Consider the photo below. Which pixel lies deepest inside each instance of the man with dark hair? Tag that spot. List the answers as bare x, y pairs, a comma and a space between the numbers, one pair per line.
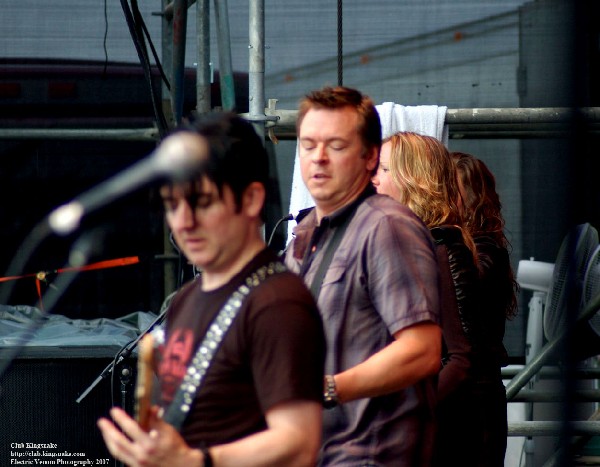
371, 263
240, 369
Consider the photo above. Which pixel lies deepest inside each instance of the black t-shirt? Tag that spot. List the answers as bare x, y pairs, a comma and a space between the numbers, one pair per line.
273, 352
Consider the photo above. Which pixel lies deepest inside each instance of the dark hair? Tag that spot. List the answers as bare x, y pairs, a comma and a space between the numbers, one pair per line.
237, 155
369, 126
483, 210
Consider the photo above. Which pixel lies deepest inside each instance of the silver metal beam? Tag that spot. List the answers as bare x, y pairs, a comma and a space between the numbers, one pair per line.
546, 353
256, 75
203, 68
484, 123
96, 134
552, 372
548, 428
180, 15
462, 123
224, 47
528, 395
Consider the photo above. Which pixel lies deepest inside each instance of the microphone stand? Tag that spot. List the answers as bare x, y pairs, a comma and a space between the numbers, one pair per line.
33, 240
120, 356
79, 255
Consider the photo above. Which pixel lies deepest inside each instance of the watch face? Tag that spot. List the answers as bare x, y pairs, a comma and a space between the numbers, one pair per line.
329, 402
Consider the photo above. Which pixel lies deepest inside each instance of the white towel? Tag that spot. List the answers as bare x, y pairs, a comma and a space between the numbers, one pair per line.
422, 119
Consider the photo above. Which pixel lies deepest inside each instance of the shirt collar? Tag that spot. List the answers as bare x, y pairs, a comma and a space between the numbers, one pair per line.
338, 217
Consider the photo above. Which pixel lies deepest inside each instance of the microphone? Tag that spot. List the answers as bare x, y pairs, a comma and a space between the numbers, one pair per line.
178, 157
292, 216
298, 215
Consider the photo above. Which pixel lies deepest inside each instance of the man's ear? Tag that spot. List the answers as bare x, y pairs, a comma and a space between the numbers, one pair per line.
254, 199
372, 159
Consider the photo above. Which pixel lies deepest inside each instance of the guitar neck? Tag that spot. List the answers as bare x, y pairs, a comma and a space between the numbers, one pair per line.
145, 377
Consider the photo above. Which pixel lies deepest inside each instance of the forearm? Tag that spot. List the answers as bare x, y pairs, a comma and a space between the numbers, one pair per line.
454, 373
292, 438
288, 441
457, 361
414, 355
263, 449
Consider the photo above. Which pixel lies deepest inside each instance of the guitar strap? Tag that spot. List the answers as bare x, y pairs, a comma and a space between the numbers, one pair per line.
332, 246
198, 367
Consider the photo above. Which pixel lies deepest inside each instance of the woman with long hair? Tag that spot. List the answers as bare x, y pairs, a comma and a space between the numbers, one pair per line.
417, 170
482, 211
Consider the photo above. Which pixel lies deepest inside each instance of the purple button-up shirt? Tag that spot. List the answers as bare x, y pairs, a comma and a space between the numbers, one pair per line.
383, 277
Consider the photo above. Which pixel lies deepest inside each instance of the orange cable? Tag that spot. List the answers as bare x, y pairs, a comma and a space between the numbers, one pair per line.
41, 276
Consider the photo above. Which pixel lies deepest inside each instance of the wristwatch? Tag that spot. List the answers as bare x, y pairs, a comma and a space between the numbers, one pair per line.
330, 395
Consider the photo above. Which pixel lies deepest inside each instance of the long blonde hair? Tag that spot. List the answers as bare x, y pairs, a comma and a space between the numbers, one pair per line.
422, 168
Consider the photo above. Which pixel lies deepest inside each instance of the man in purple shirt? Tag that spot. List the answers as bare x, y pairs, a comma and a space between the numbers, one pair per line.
371, 263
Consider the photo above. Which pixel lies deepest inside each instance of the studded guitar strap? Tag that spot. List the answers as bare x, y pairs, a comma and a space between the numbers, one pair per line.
198, 367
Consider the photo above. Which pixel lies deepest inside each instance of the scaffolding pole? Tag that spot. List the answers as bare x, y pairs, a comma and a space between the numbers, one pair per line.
484, 123
477, 123
203, 67
178, 71
224, 47
551, 428
95, 134
546, 353
256, 75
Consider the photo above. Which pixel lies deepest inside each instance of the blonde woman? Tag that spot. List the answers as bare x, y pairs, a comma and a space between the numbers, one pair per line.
418, 171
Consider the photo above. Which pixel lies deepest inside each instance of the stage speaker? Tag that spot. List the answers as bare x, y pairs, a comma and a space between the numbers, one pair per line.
40, 417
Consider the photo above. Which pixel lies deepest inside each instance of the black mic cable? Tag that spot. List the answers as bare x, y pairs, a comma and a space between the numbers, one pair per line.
288, 217
292, 216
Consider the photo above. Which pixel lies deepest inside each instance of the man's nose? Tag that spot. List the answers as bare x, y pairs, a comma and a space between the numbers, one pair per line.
320, 153
184, 217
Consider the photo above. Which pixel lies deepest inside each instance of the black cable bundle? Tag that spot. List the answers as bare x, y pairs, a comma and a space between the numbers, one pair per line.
138, 30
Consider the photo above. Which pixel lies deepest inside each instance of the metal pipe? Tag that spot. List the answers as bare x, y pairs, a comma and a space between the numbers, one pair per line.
224, 45
256, 90
552, 372
168, 9
548, 428
479, 116
179, 40
203, 70
547, 351
527, 122
169, 268
575, 445
520, 115
527, 395
484, 123
141, 134
167, 62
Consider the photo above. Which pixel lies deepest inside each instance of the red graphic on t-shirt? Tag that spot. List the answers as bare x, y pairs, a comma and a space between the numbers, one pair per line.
174, 362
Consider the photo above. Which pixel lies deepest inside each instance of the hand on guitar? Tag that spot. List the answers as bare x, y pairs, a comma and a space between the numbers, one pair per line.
146, 440
160, 446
